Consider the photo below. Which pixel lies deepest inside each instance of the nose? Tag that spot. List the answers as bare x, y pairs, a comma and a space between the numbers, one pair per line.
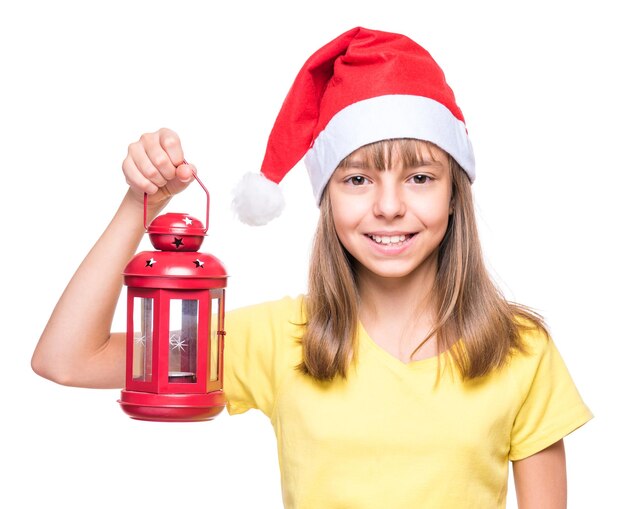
390, 201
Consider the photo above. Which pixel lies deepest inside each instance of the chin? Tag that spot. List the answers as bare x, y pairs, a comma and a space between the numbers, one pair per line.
391, 272
395, 269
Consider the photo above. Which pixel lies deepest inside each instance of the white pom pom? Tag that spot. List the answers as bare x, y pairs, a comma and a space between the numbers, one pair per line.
257, 200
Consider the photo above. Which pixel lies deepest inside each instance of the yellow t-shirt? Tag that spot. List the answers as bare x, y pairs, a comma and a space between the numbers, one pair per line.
388, 436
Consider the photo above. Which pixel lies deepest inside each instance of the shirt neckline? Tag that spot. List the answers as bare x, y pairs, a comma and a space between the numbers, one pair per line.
368, 343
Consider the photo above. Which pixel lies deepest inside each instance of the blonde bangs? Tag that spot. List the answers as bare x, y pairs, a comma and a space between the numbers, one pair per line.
379, 155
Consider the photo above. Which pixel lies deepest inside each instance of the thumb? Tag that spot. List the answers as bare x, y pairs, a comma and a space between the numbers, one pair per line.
185, 172
183, 177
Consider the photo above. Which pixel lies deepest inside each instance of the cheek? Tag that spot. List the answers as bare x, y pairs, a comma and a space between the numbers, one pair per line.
346, 213
344, 221
434, 213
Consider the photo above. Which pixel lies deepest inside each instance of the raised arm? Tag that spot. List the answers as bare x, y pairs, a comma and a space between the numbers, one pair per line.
77, 347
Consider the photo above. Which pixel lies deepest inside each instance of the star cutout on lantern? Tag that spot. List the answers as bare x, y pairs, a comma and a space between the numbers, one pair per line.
150, 262
199, 263
188, 221
178, 242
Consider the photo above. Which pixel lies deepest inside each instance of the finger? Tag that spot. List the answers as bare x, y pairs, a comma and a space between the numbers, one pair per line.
143, 163
170, 143
161, 161
135, 179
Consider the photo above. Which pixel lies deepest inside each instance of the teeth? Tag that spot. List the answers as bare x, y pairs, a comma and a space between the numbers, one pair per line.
394, 239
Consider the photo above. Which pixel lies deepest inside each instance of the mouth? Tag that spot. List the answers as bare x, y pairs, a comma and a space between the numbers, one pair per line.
391, 240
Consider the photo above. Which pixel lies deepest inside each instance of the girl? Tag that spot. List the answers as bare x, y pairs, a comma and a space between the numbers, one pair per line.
403, 378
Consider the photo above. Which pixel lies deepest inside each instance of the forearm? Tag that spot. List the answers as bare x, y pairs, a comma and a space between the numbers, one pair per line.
76, 347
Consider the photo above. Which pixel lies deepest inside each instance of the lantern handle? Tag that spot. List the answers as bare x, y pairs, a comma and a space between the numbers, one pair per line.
208, 200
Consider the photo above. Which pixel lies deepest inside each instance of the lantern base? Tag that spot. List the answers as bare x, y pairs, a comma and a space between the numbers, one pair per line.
147, 406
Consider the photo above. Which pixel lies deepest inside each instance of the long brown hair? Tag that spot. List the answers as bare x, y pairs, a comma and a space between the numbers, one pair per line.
468, 303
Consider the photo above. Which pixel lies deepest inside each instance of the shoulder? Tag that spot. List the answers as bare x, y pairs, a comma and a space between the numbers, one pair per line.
282, 317
287, 309
270, 328
538, 356
534, 336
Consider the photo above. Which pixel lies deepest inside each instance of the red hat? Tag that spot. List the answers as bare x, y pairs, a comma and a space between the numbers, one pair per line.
362, 87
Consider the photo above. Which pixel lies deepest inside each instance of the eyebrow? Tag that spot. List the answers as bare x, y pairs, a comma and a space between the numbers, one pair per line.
355, 165
429, 162
363, 165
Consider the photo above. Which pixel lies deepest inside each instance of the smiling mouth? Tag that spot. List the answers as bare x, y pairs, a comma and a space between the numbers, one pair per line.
391, 240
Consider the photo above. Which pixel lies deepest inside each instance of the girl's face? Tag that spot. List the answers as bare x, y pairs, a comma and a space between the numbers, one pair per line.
393, 220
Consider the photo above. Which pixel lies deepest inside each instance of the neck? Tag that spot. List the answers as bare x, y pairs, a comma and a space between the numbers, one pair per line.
405, 300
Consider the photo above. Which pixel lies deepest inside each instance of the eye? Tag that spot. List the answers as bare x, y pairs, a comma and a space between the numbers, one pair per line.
420, 178
356, 180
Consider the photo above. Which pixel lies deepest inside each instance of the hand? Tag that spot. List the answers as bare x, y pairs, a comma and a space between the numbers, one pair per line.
154, 165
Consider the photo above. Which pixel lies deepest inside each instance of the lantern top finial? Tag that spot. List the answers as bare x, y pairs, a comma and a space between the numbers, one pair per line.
176, 232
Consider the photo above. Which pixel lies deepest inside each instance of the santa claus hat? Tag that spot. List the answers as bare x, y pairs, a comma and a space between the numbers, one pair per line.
362, 87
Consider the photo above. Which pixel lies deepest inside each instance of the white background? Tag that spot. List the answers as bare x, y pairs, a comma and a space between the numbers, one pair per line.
541, 85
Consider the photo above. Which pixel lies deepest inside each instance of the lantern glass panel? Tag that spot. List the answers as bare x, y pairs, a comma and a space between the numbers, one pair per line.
183, 341
214, 338
143, 325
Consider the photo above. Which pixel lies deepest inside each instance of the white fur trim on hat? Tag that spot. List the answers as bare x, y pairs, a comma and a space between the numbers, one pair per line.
383, 118
257, 200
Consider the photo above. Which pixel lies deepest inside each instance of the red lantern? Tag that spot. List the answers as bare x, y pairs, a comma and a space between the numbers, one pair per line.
175, 324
